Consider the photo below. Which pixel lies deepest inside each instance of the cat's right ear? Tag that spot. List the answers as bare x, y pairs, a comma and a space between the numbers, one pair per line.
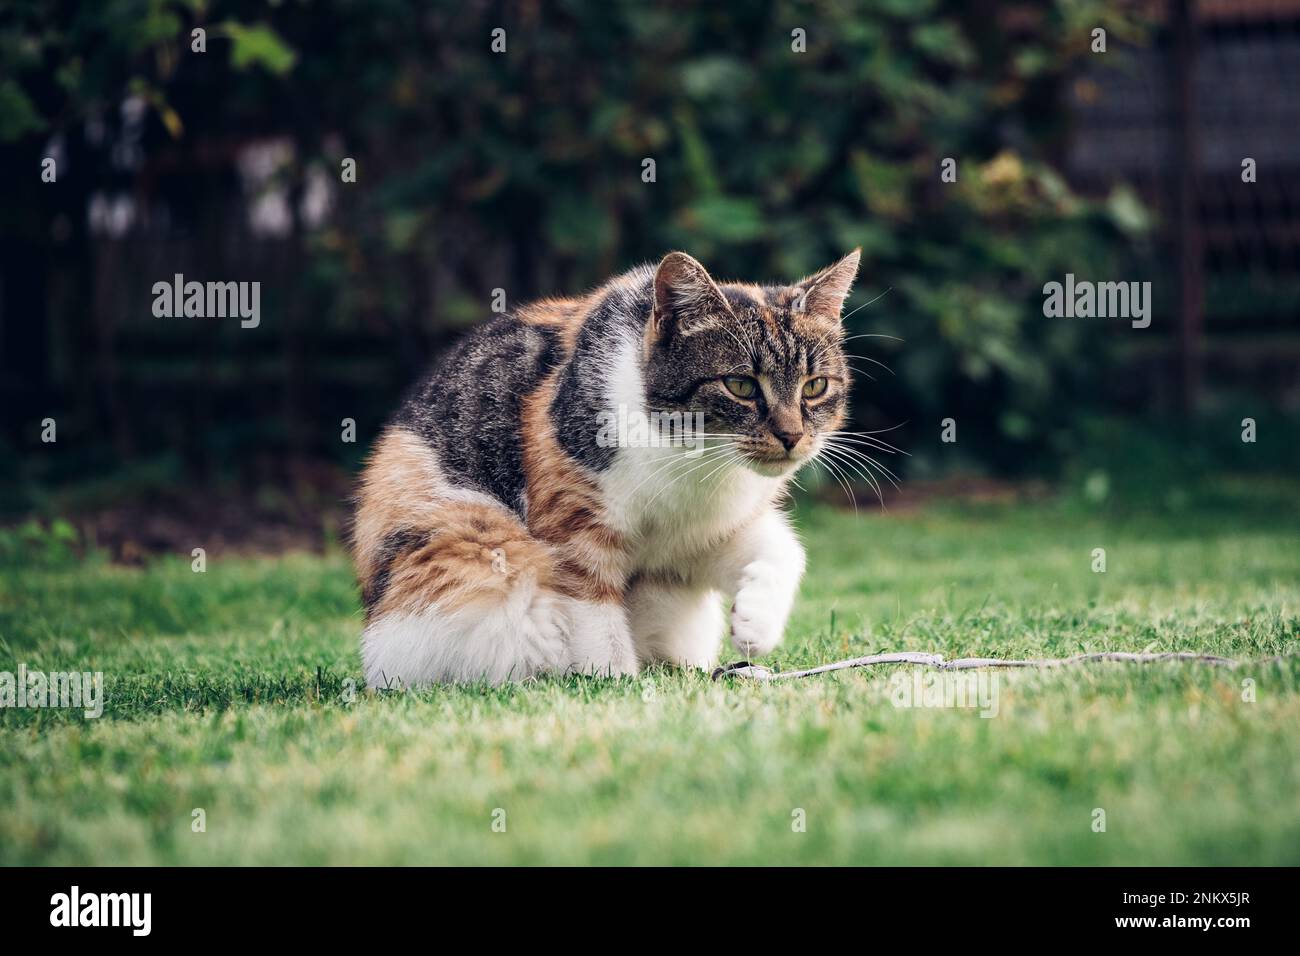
686, 299
823, 294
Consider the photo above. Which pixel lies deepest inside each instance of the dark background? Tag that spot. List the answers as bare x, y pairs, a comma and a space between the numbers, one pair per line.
522, 171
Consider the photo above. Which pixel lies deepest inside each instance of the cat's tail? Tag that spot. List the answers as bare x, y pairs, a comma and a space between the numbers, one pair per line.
455, 587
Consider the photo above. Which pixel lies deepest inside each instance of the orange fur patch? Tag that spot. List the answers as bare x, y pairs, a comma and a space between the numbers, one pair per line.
398, 490
565, 509
471, 553
563, 315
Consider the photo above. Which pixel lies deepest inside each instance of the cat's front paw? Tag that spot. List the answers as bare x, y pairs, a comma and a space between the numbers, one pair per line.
759, 612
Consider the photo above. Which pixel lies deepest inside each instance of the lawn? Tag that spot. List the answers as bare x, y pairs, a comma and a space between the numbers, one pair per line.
228, 691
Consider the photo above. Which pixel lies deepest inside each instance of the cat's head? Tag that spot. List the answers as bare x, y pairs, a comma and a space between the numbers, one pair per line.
764, 364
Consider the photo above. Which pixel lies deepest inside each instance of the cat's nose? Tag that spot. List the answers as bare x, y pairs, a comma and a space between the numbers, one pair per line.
788, 438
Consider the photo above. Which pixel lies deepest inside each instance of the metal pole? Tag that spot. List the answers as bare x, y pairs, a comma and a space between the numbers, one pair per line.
1188, 240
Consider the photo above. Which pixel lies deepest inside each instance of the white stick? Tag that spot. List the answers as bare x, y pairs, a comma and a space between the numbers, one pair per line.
748, 671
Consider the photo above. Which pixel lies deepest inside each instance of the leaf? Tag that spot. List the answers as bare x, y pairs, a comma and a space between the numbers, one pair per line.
715, 76
724, 219
580, 225
695, 151
1127, 211
883, 186
401, 229
944, 43
171, 119
258, 45
18, 116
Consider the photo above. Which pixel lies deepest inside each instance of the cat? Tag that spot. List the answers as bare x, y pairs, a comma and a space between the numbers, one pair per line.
500, 534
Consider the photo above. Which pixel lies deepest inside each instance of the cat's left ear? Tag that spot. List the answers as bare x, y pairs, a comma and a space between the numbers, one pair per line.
823, 293
686, 299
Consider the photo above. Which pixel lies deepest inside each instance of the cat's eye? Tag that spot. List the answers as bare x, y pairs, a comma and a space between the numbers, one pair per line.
742, 386
815, 387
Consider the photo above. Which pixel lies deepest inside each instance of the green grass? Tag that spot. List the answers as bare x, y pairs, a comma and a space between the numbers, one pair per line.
225, 693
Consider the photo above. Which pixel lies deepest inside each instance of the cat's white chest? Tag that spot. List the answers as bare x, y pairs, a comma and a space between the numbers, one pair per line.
674, 515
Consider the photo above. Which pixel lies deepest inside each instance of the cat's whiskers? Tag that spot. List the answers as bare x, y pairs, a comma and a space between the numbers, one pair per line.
875, 464
746, 348
862, 465
726, 461
862, 450
660, 466
876, 362
674, 462
870, 335
865, 472
835, 338
736, 459
867, 303
824, 347
700, 463
878, 431
864, 438
863, 456
857, 471
850, 359
858, 371
821, 347
665, 464
831, 469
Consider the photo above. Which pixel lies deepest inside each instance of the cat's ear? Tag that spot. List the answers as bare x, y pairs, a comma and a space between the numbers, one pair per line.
823, 293
686, 298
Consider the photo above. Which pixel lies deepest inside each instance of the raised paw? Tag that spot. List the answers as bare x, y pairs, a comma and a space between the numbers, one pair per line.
759, 612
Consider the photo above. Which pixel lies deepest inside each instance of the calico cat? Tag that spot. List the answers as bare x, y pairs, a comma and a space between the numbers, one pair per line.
501, 532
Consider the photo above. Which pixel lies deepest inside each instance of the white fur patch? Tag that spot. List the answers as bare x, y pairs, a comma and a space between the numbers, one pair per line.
516, 639
677, 625
599, 640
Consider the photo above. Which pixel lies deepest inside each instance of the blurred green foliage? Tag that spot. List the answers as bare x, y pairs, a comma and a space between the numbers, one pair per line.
523, 169
32, 544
